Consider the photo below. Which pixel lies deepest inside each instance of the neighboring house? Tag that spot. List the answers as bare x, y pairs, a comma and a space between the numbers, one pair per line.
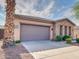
76, 32
1, 32
29, 28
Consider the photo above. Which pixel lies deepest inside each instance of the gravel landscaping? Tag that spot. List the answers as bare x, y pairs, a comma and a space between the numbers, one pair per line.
18, 52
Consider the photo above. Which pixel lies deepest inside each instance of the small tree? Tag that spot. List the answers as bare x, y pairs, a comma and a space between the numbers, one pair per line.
76, 9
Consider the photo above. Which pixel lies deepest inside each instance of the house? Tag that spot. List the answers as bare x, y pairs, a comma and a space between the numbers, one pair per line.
76, 32
29, 28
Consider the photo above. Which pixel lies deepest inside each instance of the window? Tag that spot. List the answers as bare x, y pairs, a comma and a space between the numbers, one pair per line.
61, 29
69, 30
65, 30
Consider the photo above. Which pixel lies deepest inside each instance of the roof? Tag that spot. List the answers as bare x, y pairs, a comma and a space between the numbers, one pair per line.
32, 18
67, 20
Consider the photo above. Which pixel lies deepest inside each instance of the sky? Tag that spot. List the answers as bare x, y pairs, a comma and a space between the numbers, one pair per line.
49, 9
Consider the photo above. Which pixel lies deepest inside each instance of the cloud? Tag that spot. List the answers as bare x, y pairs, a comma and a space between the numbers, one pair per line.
2, 3
77, 0
74, 20
60, 9
64, 13
44, 13
26, 7
42, 4
68, 13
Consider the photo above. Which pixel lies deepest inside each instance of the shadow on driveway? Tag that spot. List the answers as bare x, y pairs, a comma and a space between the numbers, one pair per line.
17, 52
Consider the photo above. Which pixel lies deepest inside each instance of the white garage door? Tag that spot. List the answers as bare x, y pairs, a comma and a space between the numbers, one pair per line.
33, 32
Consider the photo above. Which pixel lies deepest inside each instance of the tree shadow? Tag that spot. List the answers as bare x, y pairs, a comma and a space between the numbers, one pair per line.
17, 52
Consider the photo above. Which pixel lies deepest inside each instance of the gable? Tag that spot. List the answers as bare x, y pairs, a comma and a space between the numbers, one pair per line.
65, 22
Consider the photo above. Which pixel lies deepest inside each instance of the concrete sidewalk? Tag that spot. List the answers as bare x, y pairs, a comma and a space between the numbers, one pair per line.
61, 53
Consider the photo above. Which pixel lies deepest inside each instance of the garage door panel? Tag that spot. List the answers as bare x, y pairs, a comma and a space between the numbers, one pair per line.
30, 32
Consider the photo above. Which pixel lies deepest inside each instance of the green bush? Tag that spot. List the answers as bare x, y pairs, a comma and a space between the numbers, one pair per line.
58, 38
18, 41
77, 40
65, 37
69, 40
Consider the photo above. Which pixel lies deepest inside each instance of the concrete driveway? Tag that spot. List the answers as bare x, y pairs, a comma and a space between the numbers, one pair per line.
35, 46
51, 50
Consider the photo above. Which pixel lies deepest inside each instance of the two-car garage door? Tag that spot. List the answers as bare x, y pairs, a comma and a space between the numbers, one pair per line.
34, 32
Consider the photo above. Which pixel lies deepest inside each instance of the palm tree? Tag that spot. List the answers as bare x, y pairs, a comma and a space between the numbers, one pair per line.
76, 9
9, 25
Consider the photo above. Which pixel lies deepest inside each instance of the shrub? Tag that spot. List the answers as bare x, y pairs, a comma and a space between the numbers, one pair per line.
18, 41
69, 40
66, 37
77, 40
58, 38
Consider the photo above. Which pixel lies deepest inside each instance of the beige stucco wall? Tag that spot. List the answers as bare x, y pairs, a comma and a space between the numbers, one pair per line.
54, 27
64, 23
76, 32
17, 23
